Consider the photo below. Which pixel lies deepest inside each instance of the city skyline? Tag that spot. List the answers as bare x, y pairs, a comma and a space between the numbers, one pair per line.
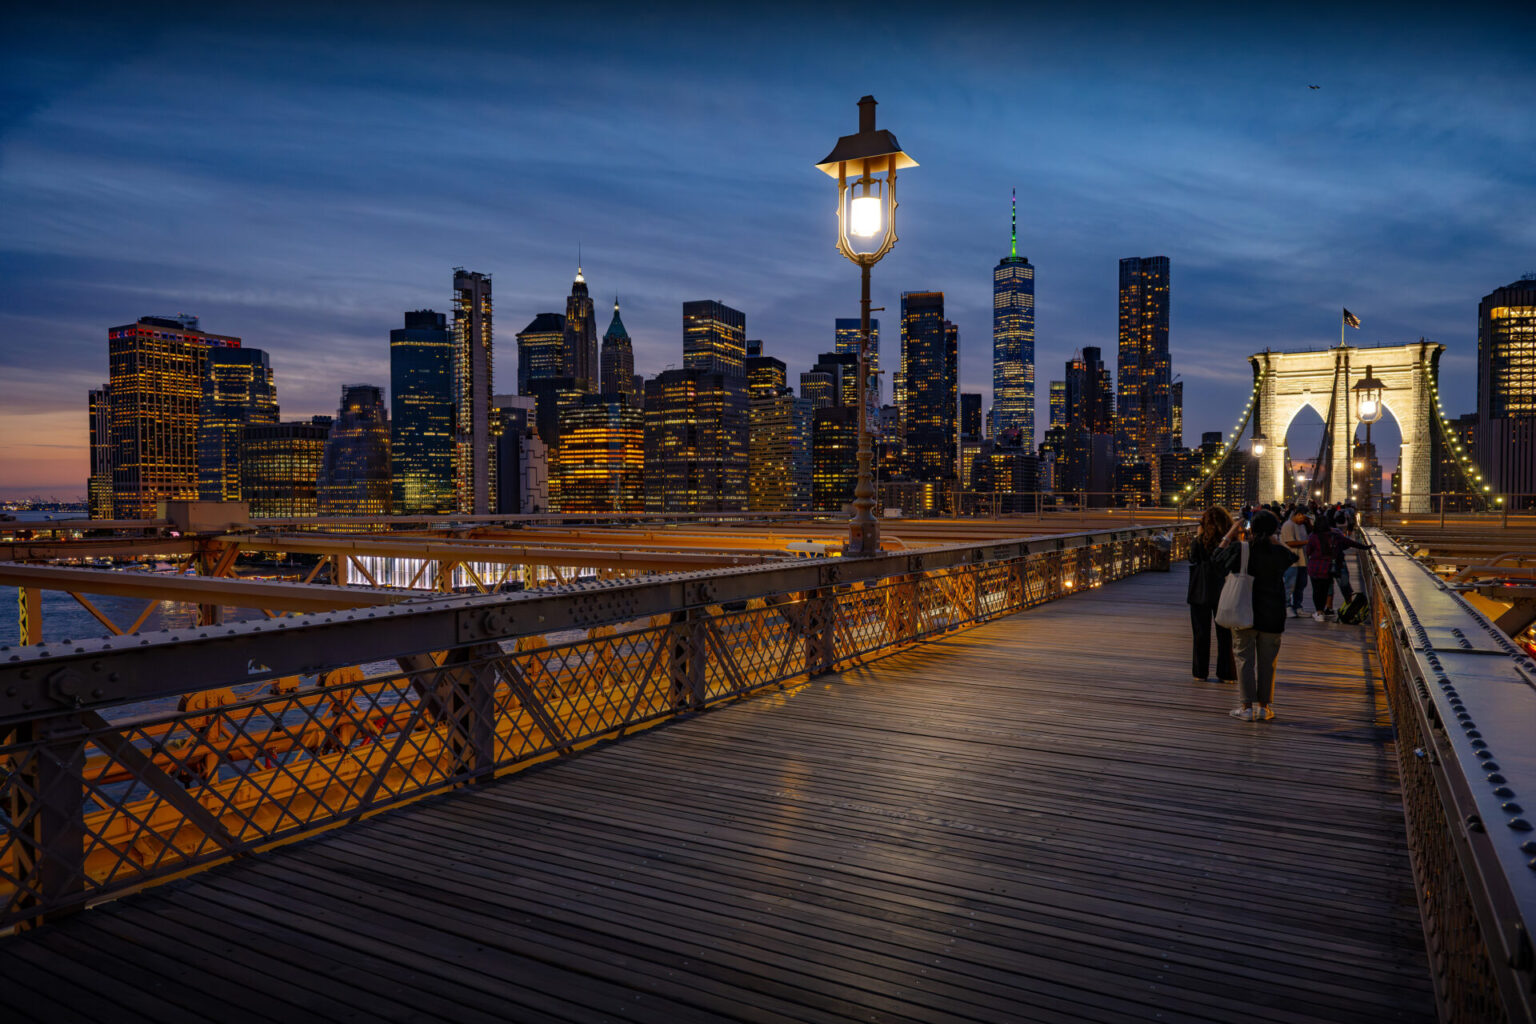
1277, 203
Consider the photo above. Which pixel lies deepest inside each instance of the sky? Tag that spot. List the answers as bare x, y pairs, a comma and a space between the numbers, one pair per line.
299, 176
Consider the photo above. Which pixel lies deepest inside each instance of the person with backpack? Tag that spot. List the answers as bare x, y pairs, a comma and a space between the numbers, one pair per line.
1202, 594
1257, 645
1335, 537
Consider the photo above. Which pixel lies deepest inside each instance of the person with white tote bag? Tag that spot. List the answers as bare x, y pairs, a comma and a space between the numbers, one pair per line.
1253, 606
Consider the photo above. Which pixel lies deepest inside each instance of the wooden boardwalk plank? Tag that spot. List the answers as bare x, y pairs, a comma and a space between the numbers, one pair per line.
1039, 819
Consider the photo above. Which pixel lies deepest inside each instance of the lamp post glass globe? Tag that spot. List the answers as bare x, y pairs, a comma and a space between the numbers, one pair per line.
864, 219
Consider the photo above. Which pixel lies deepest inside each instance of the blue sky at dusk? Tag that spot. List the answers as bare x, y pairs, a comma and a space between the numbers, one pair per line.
300, 176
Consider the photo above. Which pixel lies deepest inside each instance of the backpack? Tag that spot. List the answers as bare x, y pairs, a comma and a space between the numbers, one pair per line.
1355, 610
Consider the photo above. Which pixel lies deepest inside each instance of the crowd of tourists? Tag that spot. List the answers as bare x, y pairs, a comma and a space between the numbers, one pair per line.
1248, 574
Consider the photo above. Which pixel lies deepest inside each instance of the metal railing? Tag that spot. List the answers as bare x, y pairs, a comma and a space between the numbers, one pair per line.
1463, 701
287, 726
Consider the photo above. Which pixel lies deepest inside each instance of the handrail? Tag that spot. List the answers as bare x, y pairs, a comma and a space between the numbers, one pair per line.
1463, 701
421, 696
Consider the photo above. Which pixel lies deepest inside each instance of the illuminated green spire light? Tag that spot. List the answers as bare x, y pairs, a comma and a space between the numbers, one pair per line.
1015, 228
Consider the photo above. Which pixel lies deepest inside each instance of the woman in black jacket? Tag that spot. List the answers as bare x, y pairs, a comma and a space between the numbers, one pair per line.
1205, 578
1259, 647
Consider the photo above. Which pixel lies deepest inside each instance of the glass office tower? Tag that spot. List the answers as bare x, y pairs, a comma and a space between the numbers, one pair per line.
1013, 343
237, 392
421, 415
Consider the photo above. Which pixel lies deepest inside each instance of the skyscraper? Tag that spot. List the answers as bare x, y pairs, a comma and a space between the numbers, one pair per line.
771, 441
155, 398
714, 338
1088, 442
929, 367
1145, 370
1058, 403
473, 336
421, 398
695, 442
1013, 342
617, 358
819, 387
970, 415
354, 471
280, 467
581, 357
1506, 391
237, 391
766, 375
600, 463
98, 489
834, 457
540, 351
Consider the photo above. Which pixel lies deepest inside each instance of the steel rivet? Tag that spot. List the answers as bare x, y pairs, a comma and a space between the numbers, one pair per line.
1519, 824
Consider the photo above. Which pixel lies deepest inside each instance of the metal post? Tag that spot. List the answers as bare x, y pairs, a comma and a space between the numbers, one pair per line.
864, 530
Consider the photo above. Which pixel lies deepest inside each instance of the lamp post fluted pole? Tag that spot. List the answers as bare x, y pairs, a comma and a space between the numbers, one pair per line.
864, 529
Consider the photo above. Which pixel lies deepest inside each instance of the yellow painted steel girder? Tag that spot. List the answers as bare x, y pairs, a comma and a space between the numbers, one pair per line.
275, 595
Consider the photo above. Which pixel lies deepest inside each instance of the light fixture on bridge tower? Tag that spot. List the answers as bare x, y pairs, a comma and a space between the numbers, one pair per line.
1368, 398
1257, 444
865, 166
1368, 409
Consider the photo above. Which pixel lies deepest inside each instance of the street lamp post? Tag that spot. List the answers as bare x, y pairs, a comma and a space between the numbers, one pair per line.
1368, 409
865, 166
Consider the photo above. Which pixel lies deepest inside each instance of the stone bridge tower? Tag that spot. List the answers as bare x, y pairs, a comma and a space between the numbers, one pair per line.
1297, 379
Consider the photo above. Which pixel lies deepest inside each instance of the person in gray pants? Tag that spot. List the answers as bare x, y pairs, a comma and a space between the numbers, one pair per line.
1258, 648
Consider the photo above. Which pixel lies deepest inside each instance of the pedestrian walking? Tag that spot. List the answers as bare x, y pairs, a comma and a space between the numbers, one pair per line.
1294, 536
1203, 593
1258, 647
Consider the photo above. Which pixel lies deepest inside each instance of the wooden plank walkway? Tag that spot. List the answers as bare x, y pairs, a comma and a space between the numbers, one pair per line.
1041, 819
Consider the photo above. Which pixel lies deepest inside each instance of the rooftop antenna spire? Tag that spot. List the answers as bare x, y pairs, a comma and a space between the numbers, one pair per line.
578, 263
1015, 222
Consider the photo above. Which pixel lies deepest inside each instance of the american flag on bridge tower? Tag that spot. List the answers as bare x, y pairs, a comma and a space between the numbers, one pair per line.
1350, 319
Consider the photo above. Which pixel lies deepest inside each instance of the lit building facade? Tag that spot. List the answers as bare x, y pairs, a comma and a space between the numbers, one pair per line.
600, 464
695, 442
421, 396
473, 339
98, 488
930, 376
237, 392
540, 351
834, 457
766, 376
714, 338
1145, 372
354, 472
581, 355
820, 388
1506, 392
1087, 462
771, 444
1008, 471
1013, 343
155, 400
280, 467
617, 358
1058, 400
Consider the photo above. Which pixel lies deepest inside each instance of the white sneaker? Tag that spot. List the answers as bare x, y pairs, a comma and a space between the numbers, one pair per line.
1242, 714
1263, 714
1319, 617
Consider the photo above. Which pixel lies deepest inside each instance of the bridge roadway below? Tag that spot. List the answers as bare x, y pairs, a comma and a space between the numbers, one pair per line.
1039, 819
